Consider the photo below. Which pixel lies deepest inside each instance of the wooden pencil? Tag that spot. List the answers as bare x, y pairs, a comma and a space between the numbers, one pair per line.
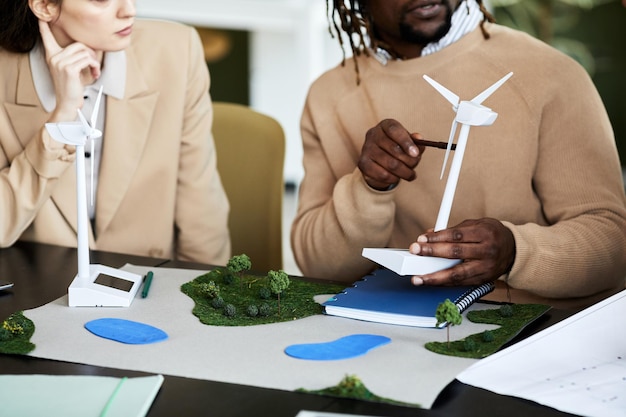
433, 144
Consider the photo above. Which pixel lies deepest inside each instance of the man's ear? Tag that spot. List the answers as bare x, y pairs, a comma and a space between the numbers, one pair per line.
45, 10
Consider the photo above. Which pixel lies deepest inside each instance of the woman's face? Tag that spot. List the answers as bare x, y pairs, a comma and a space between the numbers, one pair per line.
102, 25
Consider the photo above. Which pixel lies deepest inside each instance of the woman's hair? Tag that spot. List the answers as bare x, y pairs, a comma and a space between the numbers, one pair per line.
19, 29
352, 17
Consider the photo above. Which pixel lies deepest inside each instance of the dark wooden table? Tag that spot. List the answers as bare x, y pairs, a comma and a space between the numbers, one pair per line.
41, 273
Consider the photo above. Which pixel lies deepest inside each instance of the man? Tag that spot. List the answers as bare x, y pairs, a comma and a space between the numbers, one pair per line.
540, 202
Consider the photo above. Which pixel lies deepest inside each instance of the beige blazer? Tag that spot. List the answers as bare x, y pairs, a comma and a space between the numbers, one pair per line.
159, 192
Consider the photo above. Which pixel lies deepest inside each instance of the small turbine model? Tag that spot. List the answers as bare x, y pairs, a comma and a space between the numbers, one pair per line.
95, 285
468, 113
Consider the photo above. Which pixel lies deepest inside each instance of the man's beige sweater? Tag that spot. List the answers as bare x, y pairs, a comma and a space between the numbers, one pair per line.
547, 168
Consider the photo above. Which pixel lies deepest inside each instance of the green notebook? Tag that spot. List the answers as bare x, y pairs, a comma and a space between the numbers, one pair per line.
77, 395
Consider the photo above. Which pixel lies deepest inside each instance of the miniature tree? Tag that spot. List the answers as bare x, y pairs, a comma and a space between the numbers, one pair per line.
252, 310
264, 293
448, 312
279, 281
230, 310
238, 264
265, 310
218, 302
469, 345
488, 336
506, 310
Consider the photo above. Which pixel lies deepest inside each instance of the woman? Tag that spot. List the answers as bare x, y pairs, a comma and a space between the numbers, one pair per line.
157, 189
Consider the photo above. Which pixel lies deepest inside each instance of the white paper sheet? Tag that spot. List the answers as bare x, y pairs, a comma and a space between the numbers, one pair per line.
402, 370
577, 366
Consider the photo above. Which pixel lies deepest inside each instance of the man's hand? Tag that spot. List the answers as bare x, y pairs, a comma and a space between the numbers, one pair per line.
389, 155
486, 247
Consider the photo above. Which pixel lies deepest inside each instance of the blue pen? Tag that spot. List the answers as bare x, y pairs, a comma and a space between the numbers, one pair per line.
146, 284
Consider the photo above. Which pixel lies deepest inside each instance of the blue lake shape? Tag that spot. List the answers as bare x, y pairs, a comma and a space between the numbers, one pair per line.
344, 348
125, 331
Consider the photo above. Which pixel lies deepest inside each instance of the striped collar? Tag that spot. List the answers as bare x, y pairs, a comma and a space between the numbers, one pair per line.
464, 20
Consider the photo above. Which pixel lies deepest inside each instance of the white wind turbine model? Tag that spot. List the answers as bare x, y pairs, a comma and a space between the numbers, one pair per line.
95, 285
468, 113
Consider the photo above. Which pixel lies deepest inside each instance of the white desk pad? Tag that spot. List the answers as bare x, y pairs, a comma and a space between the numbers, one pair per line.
402, 370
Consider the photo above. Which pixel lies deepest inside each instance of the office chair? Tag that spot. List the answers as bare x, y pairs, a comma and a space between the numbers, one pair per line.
250, 159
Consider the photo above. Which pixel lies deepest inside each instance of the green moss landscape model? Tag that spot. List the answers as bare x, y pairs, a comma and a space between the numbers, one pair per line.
231, 296
512, 318
352, 387
15, 334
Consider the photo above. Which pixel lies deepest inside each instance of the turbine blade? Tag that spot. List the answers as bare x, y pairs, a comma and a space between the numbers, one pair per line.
485, 94
70, 133
83, 121
447, 94
450, 139
96, 107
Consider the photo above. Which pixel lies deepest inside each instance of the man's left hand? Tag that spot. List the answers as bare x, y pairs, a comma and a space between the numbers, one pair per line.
486, 247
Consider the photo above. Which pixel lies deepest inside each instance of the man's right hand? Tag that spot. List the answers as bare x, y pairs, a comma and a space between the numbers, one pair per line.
389, 155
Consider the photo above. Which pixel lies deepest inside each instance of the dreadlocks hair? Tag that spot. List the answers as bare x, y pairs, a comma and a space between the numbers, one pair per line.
352, 18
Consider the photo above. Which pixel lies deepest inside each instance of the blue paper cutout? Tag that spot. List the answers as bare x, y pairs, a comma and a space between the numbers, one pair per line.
125, 331
343, 348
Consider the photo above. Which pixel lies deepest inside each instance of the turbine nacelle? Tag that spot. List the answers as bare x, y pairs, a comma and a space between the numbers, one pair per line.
473, 114
77, 133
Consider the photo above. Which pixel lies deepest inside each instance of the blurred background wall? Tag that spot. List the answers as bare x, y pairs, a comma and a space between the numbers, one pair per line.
265, 53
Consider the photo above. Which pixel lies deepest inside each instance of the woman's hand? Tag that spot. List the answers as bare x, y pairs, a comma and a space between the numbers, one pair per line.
72, 68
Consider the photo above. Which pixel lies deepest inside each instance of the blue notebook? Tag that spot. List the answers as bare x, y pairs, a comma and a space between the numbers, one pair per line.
386, 297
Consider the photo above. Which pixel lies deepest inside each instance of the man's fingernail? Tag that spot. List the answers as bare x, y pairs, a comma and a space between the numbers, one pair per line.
415, 248
417, 281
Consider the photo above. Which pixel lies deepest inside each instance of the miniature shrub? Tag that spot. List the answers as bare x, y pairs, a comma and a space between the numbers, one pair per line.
218, 302
487, 336
264, 293
469, 345
210, 289
252, 310
12, 326
5, 334
506, 310
265, 310
230, 310
229, 278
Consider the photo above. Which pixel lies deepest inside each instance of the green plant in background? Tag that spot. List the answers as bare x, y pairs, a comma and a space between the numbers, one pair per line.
551, 21
591, 32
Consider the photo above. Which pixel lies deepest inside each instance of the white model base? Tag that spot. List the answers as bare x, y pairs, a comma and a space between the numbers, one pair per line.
403, 262
105, 287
